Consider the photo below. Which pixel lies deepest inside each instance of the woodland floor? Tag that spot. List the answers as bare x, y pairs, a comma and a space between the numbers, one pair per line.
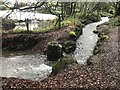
103, 74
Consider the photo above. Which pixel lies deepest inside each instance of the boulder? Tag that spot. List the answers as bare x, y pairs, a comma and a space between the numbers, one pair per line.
62, 63
54, 51
69, 46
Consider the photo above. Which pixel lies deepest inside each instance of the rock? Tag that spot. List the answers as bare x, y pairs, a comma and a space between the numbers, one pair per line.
78, 30
96, 31
69, 46
62, 63
54, 51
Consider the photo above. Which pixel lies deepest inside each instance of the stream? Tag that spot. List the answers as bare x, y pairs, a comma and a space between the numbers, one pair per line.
87, 41
36, 66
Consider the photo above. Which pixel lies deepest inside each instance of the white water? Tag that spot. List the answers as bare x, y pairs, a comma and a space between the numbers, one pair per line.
87, 41
31, 67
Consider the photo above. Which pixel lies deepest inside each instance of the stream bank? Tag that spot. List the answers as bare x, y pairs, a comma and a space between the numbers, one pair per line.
36, 42
102, 75
66, 36
33, 62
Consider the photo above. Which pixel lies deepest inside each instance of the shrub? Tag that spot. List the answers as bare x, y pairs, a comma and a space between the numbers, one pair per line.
8, 24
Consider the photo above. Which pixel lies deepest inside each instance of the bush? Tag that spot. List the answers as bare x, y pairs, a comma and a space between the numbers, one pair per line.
114, 21
8, 24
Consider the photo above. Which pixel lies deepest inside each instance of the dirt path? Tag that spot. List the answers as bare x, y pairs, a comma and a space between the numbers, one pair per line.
104, 74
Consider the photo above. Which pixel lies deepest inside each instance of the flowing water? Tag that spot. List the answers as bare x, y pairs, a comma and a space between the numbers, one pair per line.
35, 66
87, 41
32, 67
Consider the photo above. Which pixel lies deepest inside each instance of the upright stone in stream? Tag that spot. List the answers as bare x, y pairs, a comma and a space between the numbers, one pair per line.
54, 51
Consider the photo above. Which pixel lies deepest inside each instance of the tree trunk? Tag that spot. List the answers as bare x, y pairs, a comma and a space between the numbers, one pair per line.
27, 24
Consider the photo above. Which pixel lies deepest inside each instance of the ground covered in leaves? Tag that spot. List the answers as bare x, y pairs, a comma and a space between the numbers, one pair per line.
103, 74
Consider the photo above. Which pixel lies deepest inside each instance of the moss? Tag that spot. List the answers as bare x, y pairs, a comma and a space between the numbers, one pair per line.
62, 63
72, 33
104, 37
67, 22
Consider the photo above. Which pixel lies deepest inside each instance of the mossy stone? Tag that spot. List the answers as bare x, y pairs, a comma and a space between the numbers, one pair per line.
54, 51
69, 46
62, 63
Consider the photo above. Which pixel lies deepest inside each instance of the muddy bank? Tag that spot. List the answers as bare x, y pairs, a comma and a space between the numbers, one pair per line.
18, 41
102, 74
34, 42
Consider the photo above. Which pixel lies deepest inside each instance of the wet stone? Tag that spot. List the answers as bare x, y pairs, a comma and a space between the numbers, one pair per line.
54, 51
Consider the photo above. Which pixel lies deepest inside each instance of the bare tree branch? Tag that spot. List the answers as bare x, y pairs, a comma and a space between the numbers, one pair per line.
36, 6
